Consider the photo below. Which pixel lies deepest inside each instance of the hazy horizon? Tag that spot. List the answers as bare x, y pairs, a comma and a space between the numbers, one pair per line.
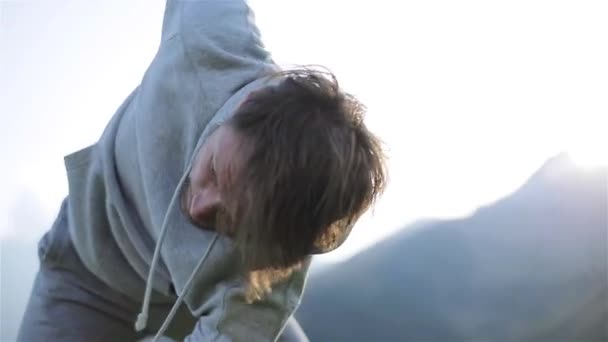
467, 102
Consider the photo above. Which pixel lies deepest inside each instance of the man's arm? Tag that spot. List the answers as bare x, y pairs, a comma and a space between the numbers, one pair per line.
220, 34
232, 319
209, 50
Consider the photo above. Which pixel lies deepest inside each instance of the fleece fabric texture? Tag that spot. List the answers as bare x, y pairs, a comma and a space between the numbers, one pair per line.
210, 58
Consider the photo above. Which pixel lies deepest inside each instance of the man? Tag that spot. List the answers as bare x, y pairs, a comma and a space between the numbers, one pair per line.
212, 185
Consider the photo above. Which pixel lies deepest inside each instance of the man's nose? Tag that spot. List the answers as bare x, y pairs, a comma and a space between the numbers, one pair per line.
204, 206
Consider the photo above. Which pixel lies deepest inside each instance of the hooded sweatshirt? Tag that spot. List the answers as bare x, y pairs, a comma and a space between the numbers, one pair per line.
124, 190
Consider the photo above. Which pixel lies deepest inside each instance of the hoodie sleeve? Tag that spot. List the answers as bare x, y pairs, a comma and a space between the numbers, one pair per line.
232, 319
223, 44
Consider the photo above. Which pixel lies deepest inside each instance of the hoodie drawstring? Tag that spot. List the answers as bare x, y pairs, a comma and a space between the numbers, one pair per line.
184, 291
142, 317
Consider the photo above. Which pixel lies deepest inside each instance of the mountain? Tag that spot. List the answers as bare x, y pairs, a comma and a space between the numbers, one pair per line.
531, 266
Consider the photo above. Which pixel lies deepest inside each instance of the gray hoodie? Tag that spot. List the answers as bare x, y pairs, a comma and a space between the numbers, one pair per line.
124, 190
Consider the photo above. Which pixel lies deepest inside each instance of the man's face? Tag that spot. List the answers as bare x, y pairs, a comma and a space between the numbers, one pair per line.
218, 162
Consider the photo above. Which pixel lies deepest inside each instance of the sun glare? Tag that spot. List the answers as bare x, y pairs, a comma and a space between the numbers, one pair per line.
590, 156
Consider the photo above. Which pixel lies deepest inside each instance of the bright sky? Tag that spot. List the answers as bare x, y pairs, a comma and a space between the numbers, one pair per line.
470, 97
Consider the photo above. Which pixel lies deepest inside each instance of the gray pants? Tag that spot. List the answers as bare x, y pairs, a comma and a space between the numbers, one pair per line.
68, 303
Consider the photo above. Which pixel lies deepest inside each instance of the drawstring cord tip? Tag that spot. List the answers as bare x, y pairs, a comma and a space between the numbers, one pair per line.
142, 320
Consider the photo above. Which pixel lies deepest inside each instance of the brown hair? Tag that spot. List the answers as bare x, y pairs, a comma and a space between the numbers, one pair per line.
312, 169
